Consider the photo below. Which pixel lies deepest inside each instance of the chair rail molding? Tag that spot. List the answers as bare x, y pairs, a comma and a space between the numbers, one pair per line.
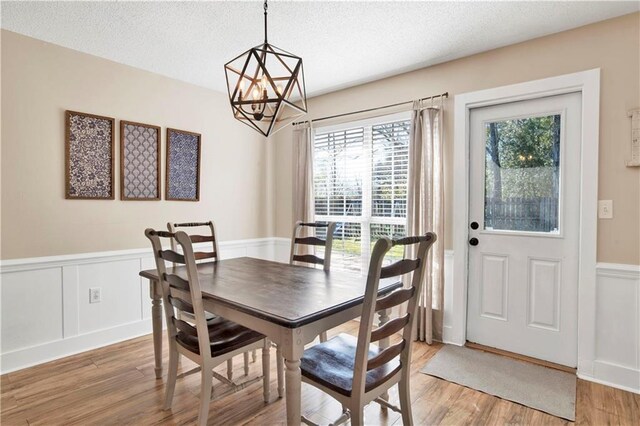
57, 288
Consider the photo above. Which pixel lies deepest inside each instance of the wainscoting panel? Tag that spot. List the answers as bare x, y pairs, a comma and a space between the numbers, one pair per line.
120, 302
617, 337
55, 292
31, 308
448, 296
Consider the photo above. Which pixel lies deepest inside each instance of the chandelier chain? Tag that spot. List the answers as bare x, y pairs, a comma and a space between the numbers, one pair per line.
265, 21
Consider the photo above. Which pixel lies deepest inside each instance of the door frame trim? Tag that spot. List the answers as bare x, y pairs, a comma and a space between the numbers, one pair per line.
588, 83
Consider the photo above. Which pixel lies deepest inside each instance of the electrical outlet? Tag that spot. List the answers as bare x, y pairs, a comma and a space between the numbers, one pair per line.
605, 209
94, 295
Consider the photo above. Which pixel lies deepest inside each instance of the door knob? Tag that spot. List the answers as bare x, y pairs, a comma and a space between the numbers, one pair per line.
474, 225
473, 241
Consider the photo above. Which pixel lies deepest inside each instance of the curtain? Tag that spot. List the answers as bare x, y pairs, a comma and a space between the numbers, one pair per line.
425, 212
303, 203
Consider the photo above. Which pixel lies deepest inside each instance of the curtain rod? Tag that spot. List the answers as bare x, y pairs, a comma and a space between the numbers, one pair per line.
444, 95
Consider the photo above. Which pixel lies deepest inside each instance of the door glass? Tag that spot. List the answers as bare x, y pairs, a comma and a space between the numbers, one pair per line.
522, 174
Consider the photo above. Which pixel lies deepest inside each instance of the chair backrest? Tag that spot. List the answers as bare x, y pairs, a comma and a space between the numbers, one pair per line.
196, 238
180, 294
373, 304
298, 240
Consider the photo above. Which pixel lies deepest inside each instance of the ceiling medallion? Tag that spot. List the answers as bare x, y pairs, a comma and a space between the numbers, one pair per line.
266, 86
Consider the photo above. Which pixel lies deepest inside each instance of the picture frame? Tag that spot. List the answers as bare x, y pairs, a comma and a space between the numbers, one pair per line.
182, 159
89, 156
140, 169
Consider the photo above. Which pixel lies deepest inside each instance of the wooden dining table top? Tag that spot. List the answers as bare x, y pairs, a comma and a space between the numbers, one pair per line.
287, 295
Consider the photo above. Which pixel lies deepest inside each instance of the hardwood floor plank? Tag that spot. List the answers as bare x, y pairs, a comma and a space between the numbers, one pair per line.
7, 400
116, 385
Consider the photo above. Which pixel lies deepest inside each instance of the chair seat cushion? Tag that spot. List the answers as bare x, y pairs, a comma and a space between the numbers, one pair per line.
224, 336
331, 364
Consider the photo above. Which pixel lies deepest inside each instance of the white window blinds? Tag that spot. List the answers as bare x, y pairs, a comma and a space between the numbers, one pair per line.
389, 169
360, 182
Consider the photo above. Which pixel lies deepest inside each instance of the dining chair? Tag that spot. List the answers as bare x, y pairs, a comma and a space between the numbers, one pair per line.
196, 238
355, 371
312, 259
297, 257
210, 256
208, 342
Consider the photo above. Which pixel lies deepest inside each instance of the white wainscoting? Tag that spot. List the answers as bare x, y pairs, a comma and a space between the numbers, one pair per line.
45, 309
616, 343
55, 292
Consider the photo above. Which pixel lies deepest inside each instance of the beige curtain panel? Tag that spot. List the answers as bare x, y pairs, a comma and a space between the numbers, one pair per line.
425, 212
303, 203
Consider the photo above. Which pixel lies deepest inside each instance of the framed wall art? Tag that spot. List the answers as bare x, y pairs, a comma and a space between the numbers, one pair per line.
139, 161
183, 166
89, 156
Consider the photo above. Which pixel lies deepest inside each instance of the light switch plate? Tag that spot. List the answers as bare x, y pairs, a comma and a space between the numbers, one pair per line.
605, 209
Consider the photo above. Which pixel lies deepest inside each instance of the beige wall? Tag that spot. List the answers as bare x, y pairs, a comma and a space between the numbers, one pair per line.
245, 182
613, 46
41, 80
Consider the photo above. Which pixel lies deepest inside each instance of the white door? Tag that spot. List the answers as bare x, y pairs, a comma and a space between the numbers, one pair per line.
524, 196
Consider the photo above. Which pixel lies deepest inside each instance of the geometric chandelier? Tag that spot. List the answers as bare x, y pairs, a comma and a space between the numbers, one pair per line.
266, 86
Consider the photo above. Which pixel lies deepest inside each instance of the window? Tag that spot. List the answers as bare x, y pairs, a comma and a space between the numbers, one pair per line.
360, 182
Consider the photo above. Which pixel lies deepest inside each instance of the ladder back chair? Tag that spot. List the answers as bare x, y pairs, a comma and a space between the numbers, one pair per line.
327, 243
207, 342
309, 259
211, 256
353, 370
312, 259
195, 238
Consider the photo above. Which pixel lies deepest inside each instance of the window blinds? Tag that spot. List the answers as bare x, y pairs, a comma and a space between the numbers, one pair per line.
360, 182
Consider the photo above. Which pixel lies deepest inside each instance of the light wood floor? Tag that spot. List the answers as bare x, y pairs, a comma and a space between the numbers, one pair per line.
116, 385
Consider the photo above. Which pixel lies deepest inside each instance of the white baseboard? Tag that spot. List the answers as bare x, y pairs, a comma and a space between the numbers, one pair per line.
621, 376
54, 291
39, 354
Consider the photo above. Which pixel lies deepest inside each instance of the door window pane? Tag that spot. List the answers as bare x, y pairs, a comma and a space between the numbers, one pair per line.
522, 174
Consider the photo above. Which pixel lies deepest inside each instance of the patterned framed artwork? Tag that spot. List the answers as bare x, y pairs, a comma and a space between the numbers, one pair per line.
139, 161
89, 156
183, 166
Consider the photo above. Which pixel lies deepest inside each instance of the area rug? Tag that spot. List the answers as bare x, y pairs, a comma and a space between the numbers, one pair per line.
541, 388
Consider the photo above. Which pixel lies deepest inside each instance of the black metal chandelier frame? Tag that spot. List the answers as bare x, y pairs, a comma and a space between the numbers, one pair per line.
264, 106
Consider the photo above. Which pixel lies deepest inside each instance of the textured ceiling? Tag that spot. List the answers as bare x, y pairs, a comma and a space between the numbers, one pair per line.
342, 43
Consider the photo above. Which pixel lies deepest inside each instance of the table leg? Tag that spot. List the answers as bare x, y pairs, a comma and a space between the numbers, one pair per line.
292, 344
383, 318
156, 320
293, 391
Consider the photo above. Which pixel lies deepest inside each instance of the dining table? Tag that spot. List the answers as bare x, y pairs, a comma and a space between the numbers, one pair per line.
289, 304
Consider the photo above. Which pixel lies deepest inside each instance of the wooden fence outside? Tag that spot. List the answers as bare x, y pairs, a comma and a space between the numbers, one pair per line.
522, 214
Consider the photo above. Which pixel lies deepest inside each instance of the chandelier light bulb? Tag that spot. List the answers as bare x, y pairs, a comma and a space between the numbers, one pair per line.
241, 89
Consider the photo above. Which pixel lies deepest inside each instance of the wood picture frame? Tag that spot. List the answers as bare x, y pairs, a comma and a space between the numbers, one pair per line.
89, 146
182, 165
144, 168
